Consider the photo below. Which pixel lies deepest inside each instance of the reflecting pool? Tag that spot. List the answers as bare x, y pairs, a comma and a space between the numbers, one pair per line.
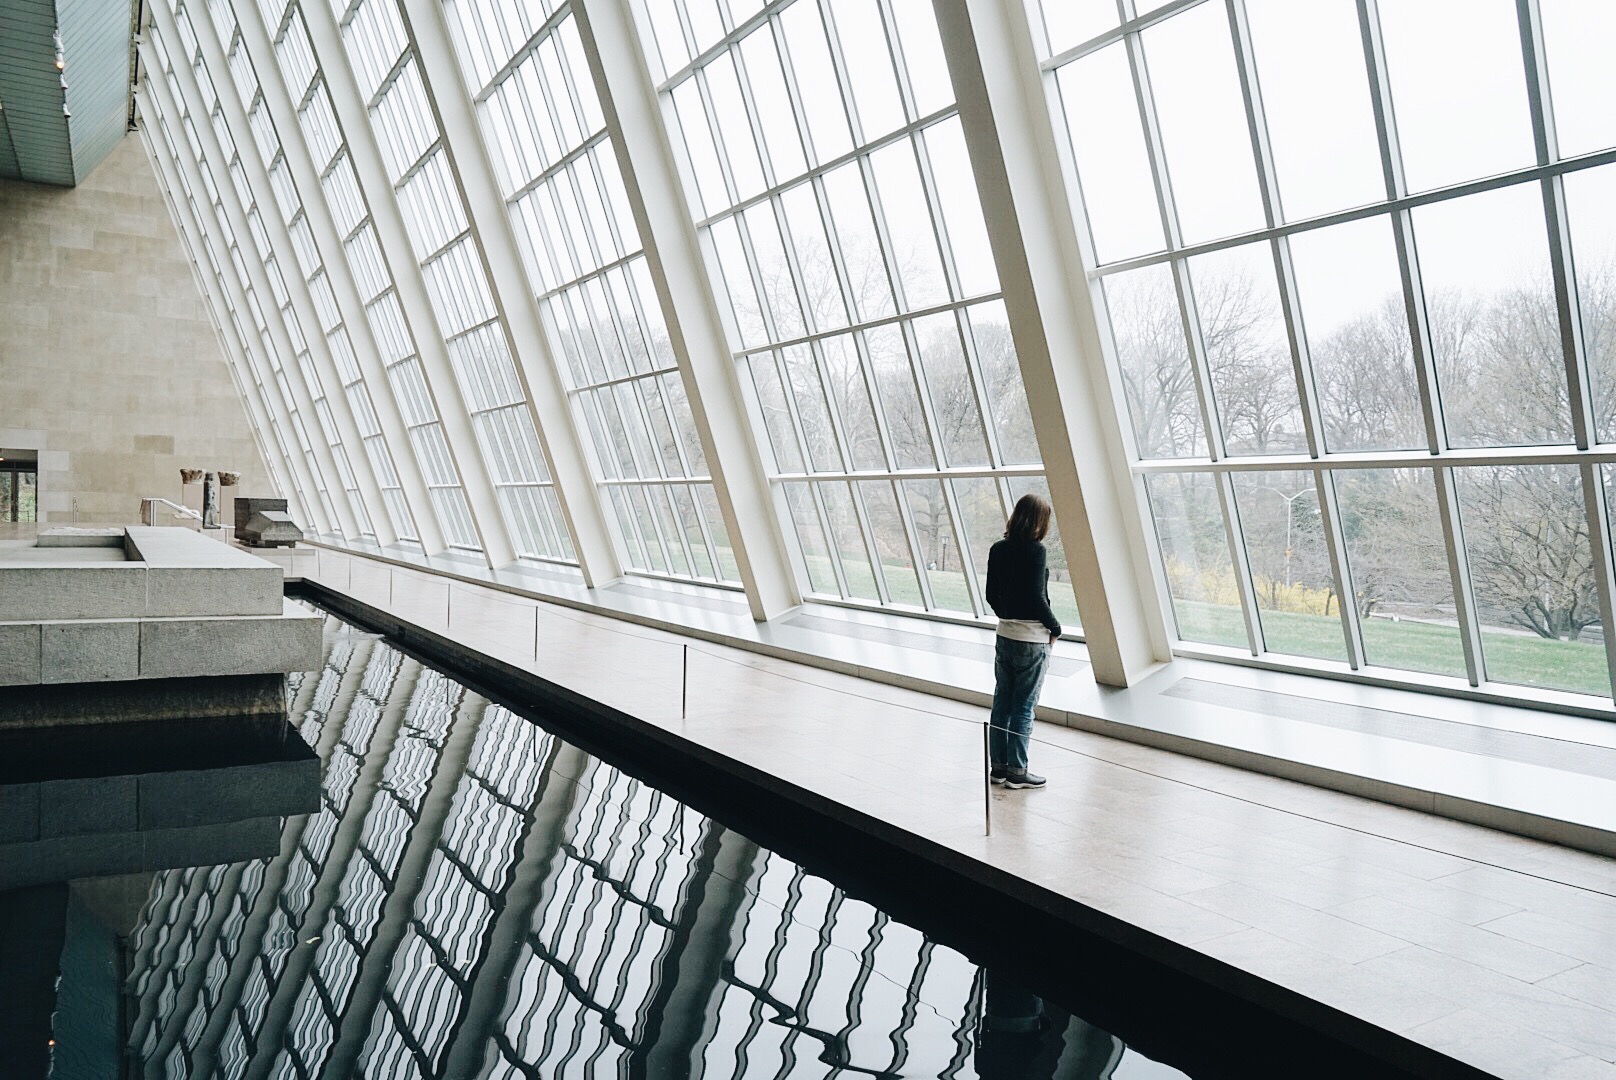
479, 898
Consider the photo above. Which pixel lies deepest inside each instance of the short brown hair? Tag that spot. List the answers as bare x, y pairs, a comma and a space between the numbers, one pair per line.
1029, 520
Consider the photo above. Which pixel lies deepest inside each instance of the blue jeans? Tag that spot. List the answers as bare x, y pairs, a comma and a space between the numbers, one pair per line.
1018, 675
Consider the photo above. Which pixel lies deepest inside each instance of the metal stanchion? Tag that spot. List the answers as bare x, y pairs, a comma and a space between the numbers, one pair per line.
987, 781
389, 588
448, 605
684, 680
535, 633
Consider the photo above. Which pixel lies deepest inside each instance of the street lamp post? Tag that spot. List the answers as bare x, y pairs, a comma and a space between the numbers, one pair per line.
1289, 500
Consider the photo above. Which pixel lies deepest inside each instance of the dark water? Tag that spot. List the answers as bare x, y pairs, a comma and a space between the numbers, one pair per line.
478, 898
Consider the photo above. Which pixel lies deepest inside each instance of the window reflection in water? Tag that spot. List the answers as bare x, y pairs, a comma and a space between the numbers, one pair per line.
479, 898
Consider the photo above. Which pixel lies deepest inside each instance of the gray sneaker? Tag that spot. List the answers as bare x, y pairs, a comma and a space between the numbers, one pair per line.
1022, 779
998, 772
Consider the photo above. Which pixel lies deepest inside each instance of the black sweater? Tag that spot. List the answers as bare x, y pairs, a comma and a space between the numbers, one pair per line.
1018, 582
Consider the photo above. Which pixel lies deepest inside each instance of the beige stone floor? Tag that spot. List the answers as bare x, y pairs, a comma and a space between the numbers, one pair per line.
1495, 949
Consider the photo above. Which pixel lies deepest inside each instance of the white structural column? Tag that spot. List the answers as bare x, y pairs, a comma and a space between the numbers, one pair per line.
388, 219
370, 491
1016, 158
345, 524
673, 252
239, 361
514, 297
318, 213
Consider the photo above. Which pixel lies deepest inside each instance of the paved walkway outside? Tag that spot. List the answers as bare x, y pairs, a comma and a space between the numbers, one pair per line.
1495, 949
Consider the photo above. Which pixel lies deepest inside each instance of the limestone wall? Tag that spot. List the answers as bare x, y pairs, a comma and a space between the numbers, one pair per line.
109, 365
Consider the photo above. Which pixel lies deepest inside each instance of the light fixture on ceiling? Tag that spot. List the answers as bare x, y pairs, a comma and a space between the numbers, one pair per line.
61, 60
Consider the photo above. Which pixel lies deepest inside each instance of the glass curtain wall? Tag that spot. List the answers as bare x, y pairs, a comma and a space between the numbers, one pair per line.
305, 84
250, 97
1356, 259
828, 175
418, 167
249, 383
526, 71
304, 252
224, 237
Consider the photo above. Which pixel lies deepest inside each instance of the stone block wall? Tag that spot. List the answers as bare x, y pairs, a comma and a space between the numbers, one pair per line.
109, 364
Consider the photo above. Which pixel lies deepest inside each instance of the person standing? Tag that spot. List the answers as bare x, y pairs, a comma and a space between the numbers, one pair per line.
1018, 592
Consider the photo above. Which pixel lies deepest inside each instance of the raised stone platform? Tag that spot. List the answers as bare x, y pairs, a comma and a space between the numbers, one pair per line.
108, 616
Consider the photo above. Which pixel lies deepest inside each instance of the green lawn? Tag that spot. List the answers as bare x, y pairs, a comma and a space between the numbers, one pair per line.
1577, 666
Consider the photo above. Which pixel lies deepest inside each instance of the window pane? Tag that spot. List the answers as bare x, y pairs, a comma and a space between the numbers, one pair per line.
727, 567
1203, 124
953, 391
737, 280
812, 411
939, 547
891, 542
779, 285
817, 86
849, 541
1290, 565
1006, 394
1253, 380
1399, 564
846, 376
777, 420
961, 209
1315, 97
1195, 559
1577, 36
983, 518
1154, 362
923, 58
815, 553
1357, 334
1533, 575
775, 114
820, 281
1591, 207
914, 251
1113, 168
1495, 332
863, 40
861, 248
738, 148
1458, 89
900, 399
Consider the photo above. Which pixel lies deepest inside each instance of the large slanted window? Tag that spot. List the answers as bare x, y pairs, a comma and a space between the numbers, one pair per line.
1357, 262
266, 143
828, 173
208, 205
557, 169
418, 167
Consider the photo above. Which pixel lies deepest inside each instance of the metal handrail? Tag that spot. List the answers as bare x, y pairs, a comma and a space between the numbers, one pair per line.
148, 510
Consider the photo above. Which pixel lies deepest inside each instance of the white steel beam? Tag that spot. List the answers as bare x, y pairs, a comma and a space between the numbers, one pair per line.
1053, 321
296, 469
354, 119
348, 526
514, 296
306, 176
751, 511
